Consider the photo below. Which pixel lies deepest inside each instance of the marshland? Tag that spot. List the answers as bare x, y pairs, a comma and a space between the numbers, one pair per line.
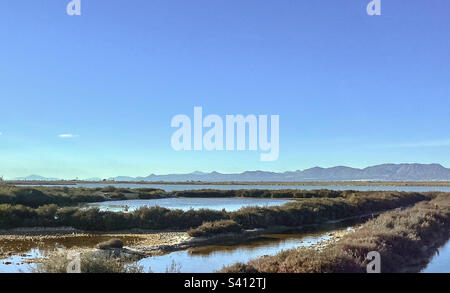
233, 230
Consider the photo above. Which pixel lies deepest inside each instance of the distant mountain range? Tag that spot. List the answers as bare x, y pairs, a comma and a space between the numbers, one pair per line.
36, 178
385, 172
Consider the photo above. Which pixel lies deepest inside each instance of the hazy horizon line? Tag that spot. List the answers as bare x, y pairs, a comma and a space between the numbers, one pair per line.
208, 172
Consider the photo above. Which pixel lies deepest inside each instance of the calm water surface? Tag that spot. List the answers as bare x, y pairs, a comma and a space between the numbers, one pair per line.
202, 259
25, 250
180, 187
209, 259
212, 258
229, 204
440, 263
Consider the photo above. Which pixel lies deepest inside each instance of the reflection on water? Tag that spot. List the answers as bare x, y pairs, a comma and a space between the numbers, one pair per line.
202, 259
229, 204
180, 187
19, 263
195, 260
440, 262
212, 258
17, 254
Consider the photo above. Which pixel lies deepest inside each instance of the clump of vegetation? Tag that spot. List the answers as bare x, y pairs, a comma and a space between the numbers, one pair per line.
405, 239
89, 263
174, 268
93, 219
261, 193
320, 210
213, 228
111, 244
296, 213
64, 196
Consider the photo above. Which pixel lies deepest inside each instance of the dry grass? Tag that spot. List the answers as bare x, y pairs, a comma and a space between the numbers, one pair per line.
300, 212
405, 239
213, 228
59, 262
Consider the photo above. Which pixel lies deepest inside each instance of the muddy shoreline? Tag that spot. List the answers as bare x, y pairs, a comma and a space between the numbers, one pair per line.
21, 241
139, 243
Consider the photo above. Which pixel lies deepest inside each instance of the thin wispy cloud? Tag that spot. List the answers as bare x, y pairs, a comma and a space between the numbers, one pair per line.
420, 144
68, 135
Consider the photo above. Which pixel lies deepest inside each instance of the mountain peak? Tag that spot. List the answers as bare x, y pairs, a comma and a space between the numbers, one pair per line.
198, 173
384, 172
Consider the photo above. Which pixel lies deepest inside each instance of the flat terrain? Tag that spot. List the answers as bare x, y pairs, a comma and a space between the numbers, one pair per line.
311, 183
23, 240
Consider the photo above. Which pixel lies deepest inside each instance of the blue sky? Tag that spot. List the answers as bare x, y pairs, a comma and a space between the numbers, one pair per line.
350, 89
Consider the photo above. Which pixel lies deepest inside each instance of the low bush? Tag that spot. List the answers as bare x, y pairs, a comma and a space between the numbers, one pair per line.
63, 196
89, 263
319, 210
213, 228
296, 213
93, 219
261, 193
405, 239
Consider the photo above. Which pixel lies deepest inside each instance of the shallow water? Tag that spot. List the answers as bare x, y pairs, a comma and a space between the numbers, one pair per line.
212, 258
229, 204
18, 263
440, 263
180, 187
27, 249
202, 259
199, 260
